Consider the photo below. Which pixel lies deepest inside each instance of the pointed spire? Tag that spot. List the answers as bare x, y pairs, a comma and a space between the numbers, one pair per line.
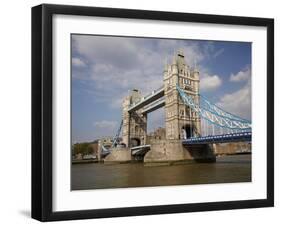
181, 52
174, 58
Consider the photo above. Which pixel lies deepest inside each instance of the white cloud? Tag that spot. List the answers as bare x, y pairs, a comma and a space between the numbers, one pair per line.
242, 75
192, 51
105, 124
117, 65
77, 62
238, 102
209, 82
106, 50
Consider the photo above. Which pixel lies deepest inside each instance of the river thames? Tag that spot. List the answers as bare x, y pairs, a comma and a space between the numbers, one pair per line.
227, 169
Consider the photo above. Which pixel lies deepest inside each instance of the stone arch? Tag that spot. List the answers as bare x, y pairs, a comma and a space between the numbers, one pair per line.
135, 142
187, 131
136, 129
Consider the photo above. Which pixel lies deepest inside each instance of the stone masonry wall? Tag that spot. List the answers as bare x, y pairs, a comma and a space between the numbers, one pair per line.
173, 150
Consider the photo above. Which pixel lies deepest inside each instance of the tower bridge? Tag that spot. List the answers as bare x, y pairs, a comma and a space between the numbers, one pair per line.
190, 119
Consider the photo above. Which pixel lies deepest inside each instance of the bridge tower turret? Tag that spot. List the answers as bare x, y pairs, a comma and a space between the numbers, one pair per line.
174, 66
134, 123
181, 122
196, 81
126, 121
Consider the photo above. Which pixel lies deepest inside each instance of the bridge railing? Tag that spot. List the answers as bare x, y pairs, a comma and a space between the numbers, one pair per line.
223, 138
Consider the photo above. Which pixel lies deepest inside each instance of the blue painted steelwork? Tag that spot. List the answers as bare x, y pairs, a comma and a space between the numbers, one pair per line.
105, 151
214, 114
205, 109
209, 106
115, 140
225, 138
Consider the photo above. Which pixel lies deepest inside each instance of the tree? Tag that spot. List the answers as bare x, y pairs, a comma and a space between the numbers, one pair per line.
82, 148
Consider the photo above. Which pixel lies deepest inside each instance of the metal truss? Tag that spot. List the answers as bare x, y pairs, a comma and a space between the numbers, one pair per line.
214, 114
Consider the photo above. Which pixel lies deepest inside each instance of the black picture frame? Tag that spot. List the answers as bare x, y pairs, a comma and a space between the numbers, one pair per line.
42, 111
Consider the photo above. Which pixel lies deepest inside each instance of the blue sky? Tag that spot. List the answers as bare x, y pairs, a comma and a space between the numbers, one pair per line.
105, 68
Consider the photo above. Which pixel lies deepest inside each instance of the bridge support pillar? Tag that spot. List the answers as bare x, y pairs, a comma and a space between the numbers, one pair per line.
173, 151
119, 155
99, 151
232, 148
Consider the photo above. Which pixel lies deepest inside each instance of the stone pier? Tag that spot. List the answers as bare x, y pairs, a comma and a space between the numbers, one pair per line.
173, 151
232, 148
119, 155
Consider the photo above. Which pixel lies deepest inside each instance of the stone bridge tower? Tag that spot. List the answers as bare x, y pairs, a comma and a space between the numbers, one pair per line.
180, 121
135, 123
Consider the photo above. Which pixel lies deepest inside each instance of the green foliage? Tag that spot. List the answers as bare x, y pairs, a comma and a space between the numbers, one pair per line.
83, 148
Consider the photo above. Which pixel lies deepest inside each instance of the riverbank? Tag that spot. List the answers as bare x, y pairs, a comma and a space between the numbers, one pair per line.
83, 161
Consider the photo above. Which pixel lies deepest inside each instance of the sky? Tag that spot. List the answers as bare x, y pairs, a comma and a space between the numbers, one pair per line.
106, 68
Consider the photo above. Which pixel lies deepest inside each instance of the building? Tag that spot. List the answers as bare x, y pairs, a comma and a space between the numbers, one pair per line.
180, 121
134, 124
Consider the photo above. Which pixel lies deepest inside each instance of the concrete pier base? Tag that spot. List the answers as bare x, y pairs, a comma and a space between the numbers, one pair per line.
119, 155
173, 151
233, 148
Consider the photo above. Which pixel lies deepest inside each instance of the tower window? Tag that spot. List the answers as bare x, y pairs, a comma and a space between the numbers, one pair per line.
181, 113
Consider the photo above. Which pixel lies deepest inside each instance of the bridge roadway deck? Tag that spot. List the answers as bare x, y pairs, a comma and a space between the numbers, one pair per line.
140, 150
224, 138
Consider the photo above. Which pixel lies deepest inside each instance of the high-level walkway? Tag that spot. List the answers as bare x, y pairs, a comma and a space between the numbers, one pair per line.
148, 99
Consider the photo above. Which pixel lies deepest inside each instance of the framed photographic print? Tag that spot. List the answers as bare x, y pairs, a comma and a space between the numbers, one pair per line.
145, 112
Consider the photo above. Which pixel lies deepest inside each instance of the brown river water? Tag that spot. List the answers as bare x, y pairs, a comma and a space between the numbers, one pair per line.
227, 169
